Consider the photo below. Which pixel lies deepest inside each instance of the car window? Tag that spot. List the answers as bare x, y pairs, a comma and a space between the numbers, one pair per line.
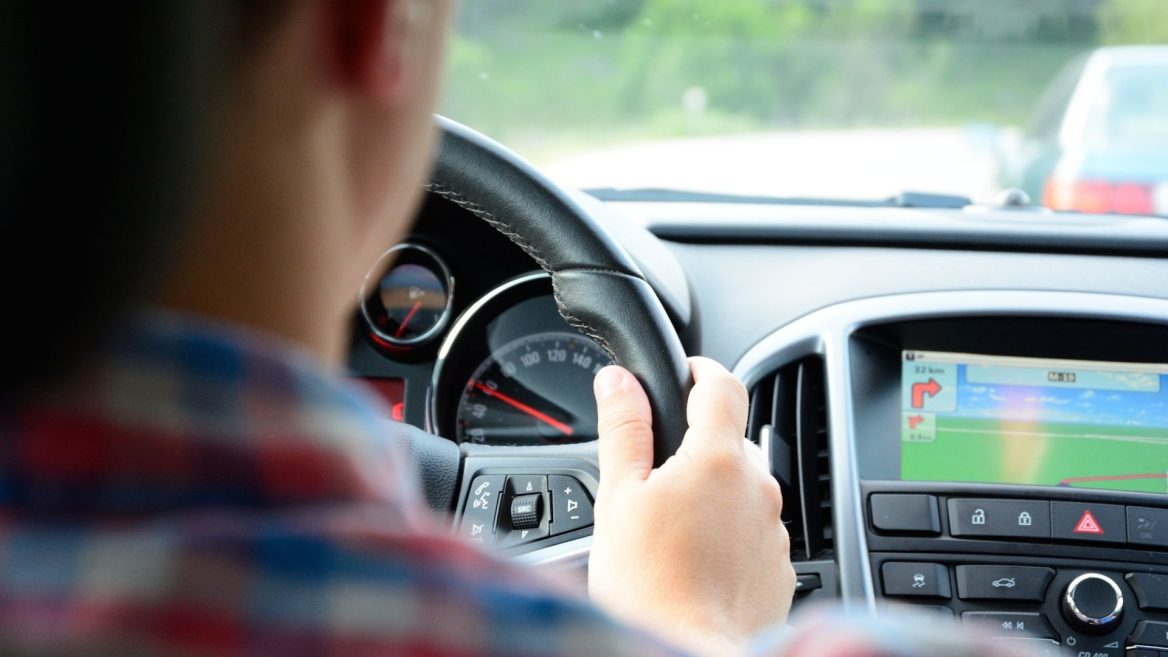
1132, 109
831, 99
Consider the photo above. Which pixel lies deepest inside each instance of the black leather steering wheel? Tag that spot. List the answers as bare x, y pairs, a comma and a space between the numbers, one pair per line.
598, 289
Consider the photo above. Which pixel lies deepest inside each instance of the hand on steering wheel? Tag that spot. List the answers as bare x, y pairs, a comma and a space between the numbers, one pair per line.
694, 549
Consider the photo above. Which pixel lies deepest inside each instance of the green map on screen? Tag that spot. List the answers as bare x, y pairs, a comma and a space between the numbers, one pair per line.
992, 419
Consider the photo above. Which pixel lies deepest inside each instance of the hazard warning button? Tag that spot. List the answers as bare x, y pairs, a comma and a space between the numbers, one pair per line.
1105, 523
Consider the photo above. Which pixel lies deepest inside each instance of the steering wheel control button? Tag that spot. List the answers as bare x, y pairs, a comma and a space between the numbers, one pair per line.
1147, 526
527, 484
526, 511
1093, 603
917, 514
999, 518
916, 580
571, 506
482, 503
1149, 634
1010, 624
1003, 582
1151, 590
1102, 523
517, 537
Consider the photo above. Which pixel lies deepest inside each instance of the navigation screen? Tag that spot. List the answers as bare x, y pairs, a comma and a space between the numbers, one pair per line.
994, 419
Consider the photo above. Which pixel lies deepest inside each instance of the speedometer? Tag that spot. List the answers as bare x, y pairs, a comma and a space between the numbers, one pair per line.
535, 390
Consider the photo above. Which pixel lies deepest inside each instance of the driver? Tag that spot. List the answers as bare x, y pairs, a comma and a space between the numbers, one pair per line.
206, 482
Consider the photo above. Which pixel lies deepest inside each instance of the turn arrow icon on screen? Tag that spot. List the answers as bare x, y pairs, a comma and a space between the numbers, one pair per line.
919, 390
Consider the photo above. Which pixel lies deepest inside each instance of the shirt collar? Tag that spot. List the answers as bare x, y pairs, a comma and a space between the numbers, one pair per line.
179, 412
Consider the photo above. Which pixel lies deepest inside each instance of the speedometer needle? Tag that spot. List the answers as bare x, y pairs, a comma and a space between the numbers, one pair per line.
524, 408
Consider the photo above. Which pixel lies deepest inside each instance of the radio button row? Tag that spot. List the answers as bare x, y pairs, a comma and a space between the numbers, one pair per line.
1003, 582
1004, 518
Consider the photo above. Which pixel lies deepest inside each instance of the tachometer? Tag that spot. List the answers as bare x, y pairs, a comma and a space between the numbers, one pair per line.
534, 390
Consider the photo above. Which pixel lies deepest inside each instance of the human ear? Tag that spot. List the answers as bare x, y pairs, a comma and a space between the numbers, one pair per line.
370, 42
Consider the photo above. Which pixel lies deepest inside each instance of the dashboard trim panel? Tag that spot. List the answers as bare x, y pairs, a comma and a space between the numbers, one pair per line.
827, 332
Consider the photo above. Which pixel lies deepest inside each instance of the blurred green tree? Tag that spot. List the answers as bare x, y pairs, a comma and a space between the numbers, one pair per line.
1133, 22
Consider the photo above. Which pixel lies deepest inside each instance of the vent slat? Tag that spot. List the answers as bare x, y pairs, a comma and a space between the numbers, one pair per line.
792, 403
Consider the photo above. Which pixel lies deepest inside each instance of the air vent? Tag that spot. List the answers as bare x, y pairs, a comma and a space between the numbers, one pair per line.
788, 410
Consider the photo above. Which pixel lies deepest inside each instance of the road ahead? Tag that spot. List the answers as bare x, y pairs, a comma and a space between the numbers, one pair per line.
857, 164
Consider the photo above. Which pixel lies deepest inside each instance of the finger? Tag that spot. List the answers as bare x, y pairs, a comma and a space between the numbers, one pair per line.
625, 425
754, 453
717, 406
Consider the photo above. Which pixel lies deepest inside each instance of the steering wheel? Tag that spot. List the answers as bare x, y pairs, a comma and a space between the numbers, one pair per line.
598, 288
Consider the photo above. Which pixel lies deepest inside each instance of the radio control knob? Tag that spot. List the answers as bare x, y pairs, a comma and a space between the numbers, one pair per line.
1093, 603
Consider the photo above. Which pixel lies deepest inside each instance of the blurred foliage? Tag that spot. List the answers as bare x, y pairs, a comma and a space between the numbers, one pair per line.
1134, 21
547, 76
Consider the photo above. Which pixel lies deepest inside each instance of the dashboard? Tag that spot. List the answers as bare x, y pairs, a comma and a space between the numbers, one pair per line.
967, 411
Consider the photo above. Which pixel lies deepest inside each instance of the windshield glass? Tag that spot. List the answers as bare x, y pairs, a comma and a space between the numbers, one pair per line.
835, 99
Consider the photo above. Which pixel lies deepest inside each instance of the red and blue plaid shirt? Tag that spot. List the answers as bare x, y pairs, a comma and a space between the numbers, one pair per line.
198, 491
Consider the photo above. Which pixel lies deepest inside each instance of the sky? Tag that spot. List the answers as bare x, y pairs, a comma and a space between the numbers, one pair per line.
1071, 405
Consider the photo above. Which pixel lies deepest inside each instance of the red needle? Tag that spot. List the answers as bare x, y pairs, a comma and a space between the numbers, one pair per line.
542, 417
410, 315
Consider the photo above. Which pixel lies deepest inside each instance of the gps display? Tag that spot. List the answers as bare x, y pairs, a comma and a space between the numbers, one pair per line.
996, 419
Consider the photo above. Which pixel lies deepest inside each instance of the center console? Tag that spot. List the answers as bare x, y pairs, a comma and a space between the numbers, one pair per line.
1000, 460
1014, 475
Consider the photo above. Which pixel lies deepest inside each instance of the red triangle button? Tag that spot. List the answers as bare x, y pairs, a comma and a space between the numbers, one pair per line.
1088, 524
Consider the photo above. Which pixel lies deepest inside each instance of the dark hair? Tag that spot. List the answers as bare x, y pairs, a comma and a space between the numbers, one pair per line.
103, 109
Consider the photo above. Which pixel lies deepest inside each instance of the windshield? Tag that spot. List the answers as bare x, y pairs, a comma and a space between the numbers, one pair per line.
834, 99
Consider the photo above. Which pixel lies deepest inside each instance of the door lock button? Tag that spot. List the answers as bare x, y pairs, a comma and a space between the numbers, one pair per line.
1004, 518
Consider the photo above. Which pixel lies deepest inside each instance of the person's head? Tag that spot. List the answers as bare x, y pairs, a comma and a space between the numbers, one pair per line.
326, 141
311, 123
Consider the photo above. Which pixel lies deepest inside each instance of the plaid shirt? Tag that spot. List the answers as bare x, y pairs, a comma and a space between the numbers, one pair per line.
198, 491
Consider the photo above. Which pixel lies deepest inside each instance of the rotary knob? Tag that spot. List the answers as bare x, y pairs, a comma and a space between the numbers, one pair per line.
1093, 603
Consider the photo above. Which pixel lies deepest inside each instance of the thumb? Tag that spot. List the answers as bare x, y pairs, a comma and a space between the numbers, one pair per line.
625, 425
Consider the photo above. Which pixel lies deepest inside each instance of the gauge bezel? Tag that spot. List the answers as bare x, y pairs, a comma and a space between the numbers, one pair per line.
463, 349
380, 270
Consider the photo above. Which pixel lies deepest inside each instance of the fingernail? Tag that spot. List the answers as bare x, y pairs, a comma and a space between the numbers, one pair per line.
607, 381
